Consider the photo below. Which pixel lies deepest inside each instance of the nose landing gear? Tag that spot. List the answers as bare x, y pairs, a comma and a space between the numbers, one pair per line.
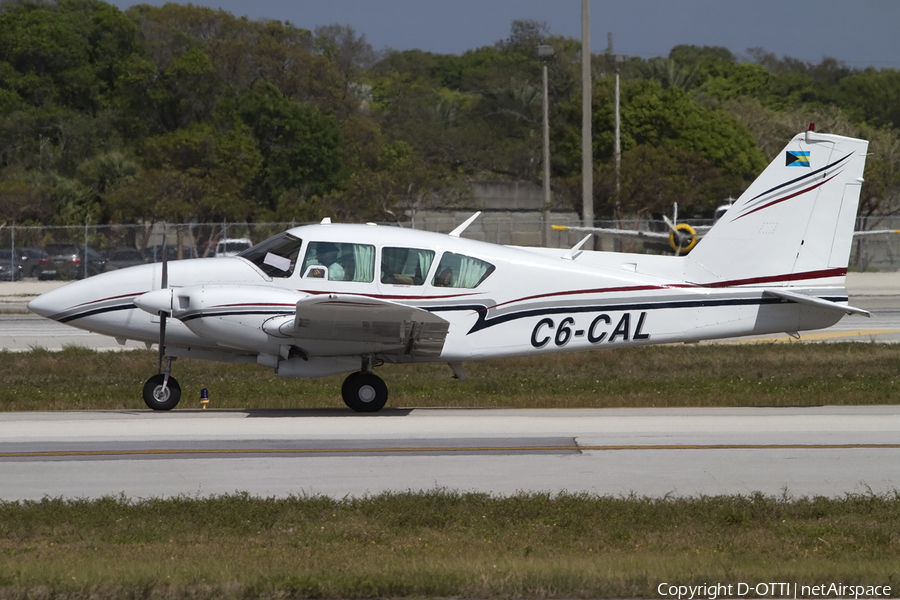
162, 392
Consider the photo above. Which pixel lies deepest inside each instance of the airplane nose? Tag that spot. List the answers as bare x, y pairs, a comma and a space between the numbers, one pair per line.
50, 304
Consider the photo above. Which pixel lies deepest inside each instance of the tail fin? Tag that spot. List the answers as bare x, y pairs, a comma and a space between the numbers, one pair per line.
794, 224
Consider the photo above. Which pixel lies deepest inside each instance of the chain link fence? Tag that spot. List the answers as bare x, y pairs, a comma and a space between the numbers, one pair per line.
45, 252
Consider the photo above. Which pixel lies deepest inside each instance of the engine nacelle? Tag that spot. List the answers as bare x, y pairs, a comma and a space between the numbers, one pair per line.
231, 315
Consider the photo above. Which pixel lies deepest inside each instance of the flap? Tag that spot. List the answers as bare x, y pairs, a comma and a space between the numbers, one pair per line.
344, 317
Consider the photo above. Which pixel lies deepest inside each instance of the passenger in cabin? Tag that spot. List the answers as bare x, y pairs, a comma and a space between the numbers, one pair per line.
444, 278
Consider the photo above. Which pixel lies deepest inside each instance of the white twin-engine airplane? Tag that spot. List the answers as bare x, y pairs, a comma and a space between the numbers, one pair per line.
328, 299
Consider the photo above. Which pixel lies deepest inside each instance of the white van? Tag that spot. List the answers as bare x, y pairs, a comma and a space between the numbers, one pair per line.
232, 246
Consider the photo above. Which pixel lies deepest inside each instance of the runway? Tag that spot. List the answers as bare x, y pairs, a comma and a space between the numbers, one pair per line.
826, 451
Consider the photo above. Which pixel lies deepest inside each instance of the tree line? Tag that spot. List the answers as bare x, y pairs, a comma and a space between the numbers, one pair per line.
190, 114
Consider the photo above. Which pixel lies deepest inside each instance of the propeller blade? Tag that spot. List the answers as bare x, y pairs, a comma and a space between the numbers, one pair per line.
164, 283
162, 341
165, 266
670, 224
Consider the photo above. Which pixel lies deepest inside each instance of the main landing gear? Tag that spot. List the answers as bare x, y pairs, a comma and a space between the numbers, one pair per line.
364, 391
162, 392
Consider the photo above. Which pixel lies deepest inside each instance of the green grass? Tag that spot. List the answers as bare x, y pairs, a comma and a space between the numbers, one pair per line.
682, 375
440, 544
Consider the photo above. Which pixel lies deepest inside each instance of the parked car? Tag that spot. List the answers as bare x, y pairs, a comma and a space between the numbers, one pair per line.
124, 256
67, 261
232, 246
10, 267
30, 259
154, 253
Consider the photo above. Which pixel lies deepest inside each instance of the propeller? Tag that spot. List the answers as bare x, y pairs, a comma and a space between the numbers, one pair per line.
682, 237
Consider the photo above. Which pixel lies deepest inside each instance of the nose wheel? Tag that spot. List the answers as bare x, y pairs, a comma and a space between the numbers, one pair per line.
162, 392
364, 392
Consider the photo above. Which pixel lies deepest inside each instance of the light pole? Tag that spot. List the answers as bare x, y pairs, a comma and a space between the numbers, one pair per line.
545, 52
617, 60
587, 161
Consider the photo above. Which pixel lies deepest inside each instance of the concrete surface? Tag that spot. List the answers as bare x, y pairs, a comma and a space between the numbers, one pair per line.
828, 451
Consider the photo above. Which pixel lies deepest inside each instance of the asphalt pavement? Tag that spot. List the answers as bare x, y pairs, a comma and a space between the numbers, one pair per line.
826, 451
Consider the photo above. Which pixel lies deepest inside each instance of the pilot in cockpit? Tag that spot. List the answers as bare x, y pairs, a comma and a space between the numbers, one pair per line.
327, 256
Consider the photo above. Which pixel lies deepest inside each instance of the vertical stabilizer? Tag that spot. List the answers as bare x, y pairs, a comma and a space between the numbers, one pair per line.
794, 224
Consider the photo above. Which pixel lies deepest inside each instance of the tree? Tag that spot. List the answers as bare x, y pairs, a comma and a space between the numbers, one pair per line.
654, 178
402, 185
198, 173
351, 55
23, 202
872, 96
300, 146
712, 143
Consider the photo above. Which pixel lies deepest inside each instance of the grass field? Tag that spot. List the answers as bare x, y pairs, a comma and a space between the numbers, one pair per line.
678, 375
442, 543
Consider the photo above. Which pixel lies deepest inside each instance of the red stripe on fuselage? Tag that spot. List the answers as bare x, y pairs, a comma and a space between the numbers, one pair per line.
721, 284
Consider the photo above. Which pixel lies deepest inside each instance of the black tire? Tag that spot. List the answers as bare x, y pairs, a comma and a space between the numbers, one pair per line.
157, 398
364, 392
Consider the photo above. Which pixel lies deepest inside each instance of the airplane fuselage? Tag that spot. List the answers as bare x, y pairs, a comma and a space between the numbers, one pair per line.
532, 302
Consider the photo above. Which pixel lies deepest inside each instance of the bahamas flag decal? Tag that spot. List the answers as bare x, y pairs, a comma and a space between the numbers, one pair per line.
797, 158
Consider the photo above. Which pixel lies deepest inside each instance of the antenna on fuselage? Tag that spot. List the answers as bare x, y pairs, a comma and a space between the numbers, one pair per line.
466, 223
575, 251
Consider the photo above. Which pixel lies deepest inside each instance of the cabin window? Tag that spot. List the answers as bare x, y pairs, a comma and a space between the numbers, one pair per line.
340, 261
460, 271
277, 256
405, 266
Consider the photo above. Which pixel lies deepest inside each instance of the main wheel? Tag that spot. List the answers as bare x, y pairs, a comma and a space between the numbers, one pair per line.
158, 397
364, 392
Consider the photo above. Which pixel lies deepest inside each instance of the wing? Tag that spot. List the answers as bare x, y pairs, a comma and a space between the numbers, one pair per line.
379, 325
617, 233
875, 232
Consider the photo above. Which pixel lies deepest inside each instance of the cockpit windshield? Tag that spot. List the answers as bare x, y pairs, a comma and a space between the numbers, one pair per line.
277, 256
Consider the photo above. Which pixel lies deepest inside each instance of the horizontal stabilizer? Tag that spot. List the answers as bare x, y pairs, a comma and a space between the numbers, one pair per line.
818, 302
348, 318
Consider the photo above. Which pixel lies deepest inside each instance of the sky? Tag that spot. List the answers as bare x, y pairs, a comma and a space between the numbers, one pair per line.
860, 33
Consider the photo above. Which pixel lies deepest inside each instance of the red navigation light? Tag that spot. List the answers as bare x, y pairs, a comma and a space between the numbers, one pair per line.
812, 127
